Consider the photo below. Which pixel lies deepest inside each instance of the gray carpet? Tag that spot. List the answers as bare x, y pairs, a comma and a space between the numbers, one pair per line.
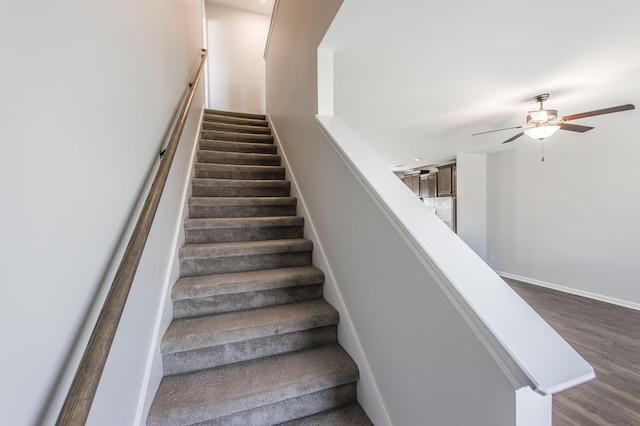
252, 341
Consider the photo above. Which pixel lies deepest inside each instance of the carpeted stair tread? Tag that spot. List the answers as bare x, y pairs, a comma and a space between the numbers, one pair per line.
238, 171
250, 281
211, 330
240, 168
186, 399
214, 118
234, 136
218, 355
293, 408
348, 415
241, 201
249, 115
206, 187
241, 182
220, 293
230, 146
240, 158
221, 230
242, 206
244, 248
241, 222
205, 259
236, 128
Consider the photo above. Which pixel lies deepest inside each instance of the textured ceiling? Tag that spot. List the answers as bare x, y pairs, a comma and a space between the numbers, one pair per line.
414, 79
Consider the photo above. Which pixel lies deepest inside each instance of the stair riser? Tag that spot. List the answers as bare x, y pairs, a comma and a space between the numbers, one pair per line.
257, 174
219, 265
212, 118
235, 114
222, 146
225, 235
235, 137
242, 211
216, 157
247, 300
350, 414
239, 191
199, 359
235, 128
290, 409
245, 282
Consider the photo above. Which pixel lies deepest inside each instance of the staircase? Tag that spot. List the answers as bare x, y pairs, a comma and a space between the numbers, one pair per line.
252, 341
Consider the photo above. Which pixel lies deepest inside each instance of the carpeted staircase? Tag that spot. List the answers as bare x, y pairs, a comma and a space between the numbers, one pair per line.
252, 341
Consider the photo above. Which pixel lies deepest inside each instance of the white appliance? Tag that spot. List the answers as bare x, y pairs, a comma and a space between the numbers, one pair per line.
444, 208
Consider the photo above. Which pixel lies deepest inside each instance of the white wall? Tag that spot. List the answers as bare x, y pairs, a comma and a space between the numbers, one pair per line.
570, 222
472, 201
236, 66
380, 287
88, 92
134, 368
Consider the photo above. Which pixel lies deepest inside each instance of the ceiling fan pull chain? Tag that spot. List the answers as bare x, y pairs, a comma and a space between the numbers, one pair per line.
542, 150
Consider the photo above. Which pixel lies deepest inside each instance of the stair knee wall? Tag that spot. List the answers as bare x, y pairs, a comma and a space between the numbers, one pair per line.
368, 393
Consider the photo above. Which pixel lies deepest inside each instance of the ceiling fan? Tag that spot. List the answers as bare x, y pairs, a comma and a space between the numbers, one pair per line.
545, 122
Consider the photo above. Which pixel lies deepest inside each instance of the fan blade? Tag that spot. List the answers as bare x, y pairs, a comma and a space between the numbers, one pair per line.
497, 130
574, 127
598, 112
514, 137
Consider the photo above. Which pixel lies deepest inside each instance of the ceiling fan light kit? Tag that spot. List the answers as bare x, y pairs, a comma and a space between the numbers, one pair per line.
542, 131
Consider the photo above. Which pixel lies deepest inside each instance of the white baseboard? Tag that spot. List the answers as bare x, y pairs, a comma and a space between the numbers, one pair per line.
570, 290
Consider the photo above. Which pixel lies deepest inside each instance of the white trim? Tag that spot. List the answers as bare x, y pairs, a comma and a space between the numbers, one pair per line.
570, 290
330, 280
273, 19
167, 283
205, 45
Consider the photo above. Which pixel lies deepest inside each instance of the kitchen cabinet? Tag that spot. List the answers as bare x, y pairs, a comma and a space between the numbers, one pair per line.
447, 176
428, 185
413, 182
454, 180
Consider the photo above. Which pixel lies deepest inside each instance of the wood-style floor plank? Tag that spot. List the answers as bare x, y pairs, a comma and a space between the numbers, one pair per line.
608, 337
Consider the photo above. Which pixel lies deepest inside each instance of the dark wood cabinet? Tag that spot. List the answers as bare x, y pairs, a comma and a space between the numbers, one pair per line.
454, 179
428, 185
413, 182
444, 181
447, 177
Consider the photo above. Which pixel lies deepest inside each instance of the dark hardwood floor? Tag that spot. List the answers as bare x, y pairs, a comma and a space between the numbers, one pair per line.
608, 337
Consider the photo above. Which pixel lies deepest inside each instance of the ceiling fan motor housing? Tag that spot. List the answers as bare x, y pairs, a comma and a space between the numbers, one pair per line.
542, 116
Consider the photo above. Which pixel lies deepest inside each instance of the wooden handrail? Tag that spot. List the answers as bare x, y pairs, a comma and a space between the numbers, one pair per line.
77, 404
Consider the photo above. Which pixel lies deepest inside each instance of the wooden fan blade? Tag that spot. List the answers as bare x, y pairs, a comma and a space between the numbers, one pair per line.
514, 137
598, 112
497, 130
574, 127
